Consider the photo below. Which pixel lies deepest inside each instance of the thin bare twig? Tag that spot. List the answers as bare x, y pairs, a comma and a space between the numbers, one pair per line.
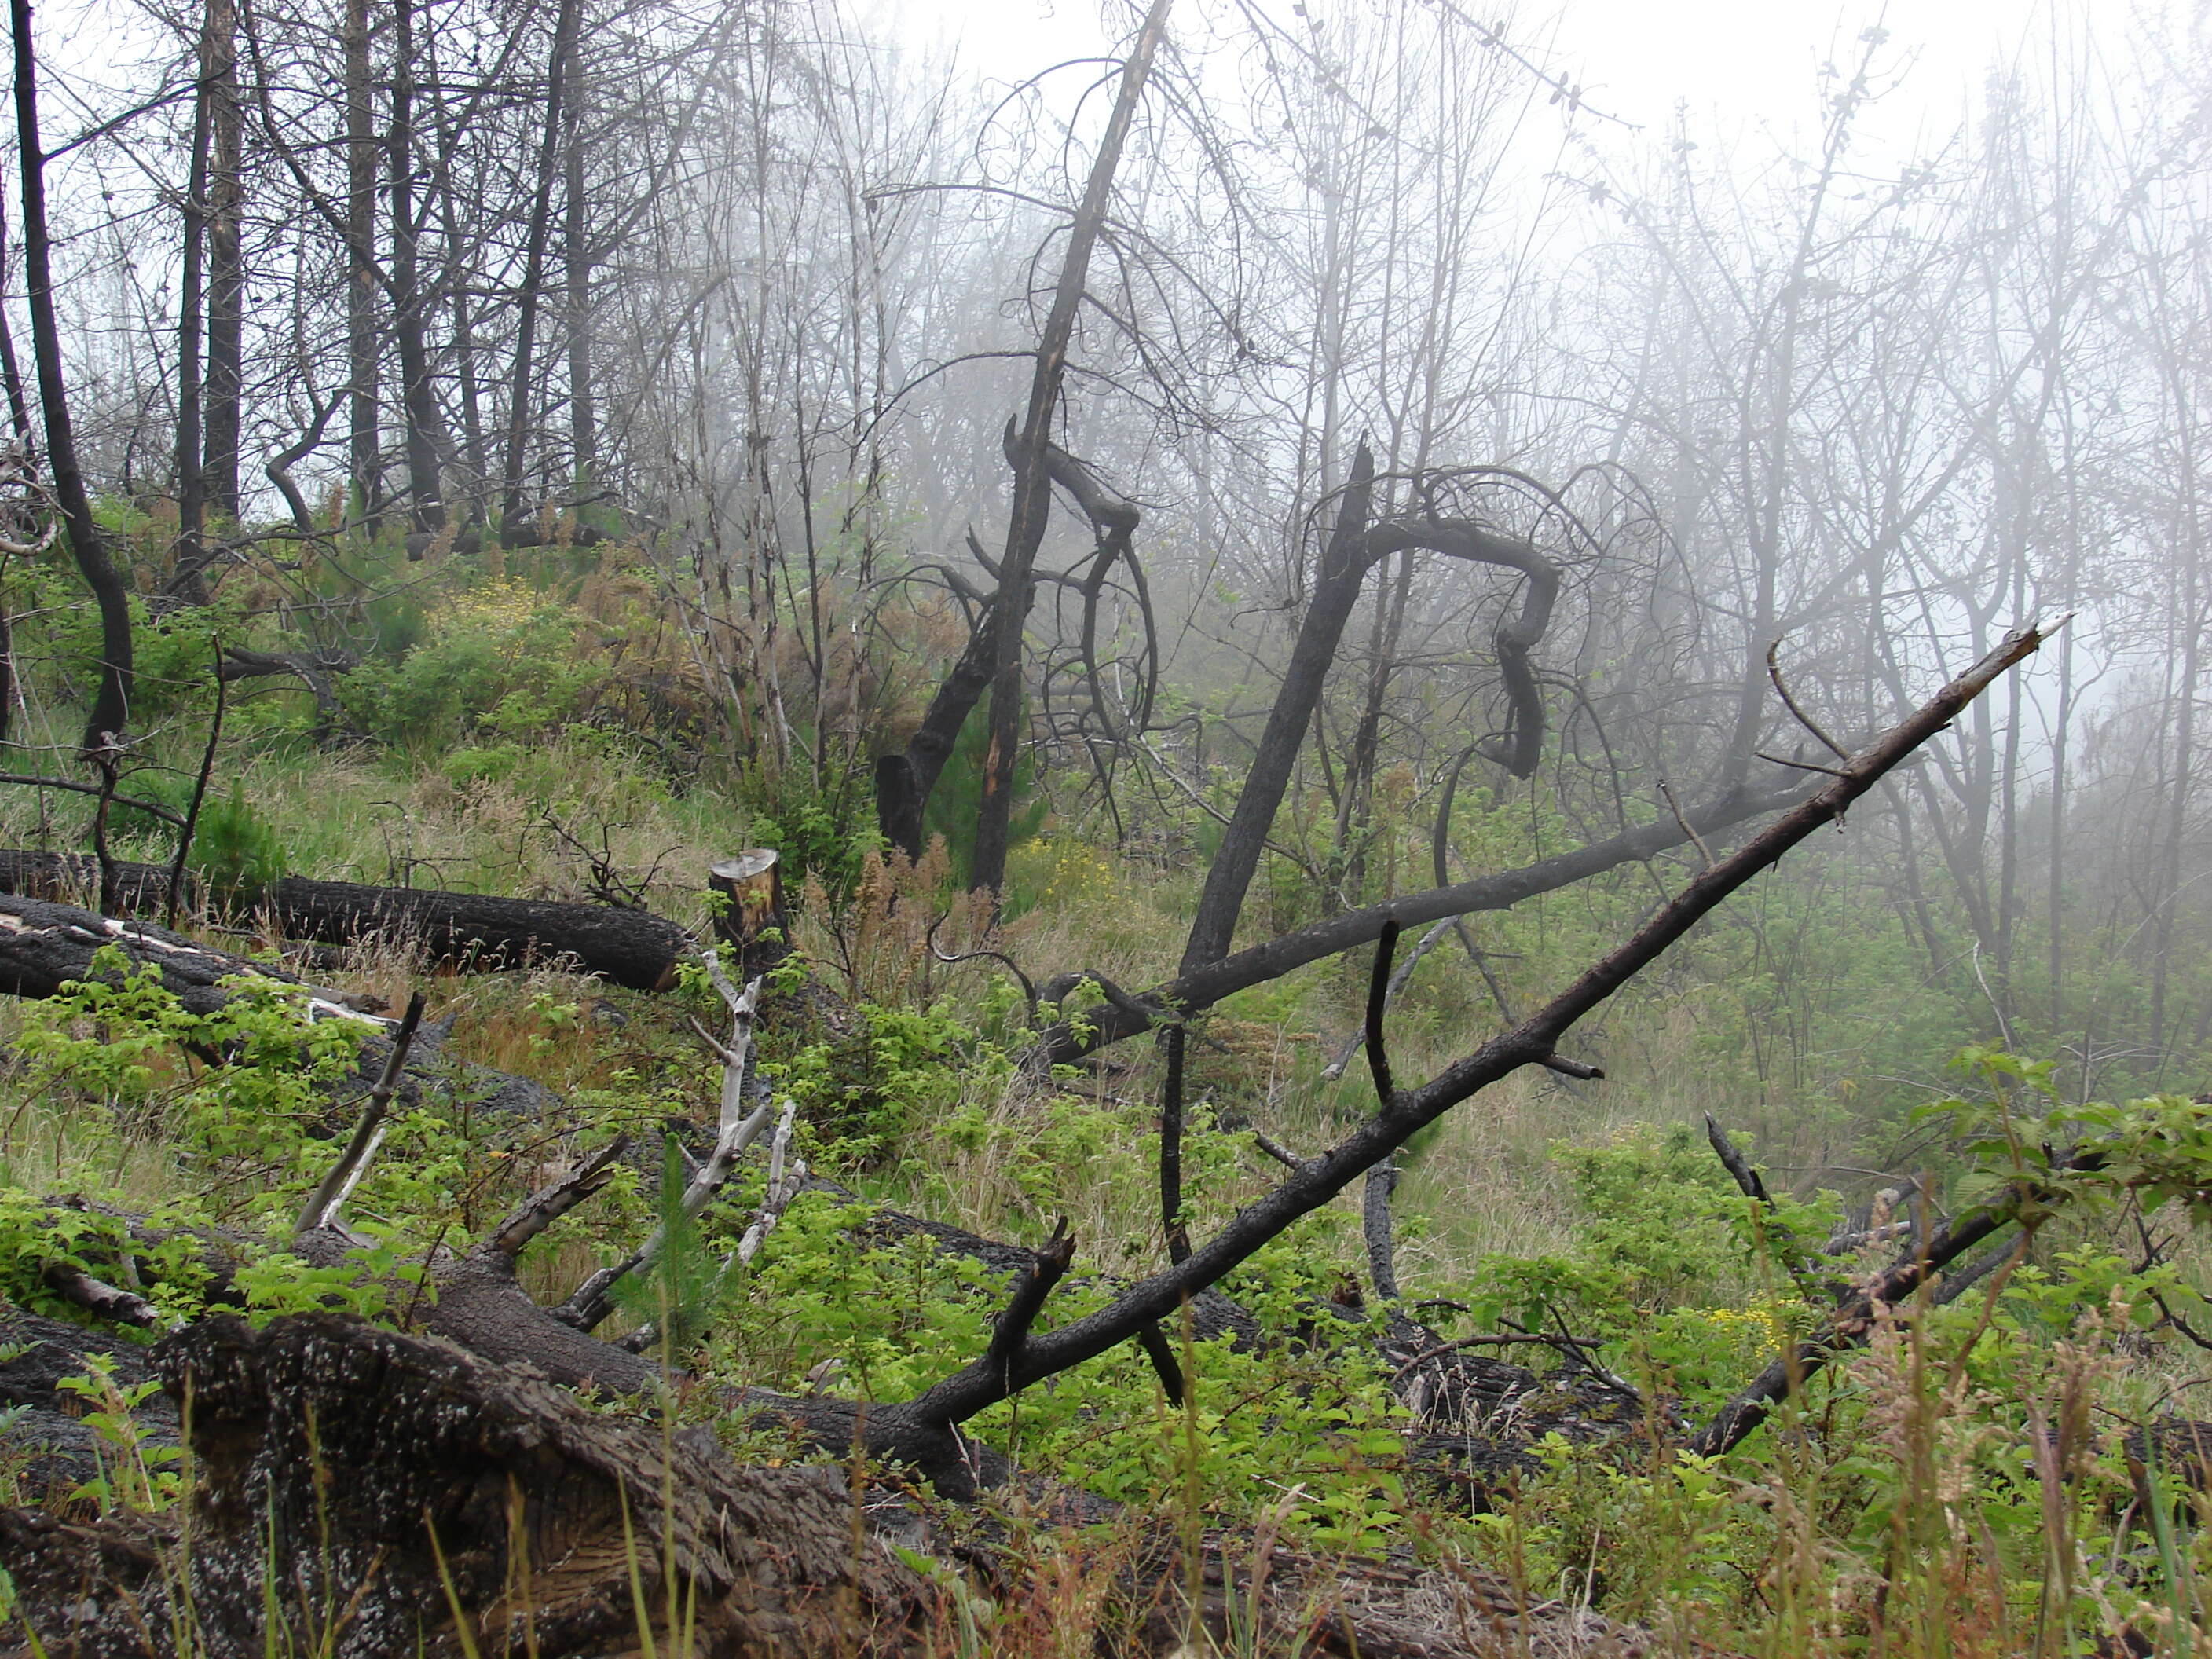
1774, 673
1802, 766
1029, 990
1696, 840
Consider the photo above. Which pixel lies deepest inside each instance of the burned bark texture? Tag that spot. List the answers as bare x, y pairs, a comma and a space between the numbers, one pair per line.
53, 1449
466, 930
44, 946
378, 1482
401, 1495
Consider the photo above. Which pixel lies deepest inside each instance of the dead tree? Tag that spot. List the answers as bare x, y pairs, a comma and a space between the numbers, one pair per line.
994, 657
481, 1306
110, 712
1354, 547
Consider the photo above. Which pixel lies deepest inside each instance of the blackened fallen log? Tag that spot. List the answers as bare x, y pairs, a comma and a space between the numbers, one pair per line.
395, 1477
44, 1422
472, 930
398, 1479
45, 946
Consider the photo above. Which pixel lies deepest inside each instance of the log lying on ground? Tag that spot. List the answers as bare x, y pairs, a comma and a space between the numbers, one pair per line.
632, 948
396, 1477
45, 946
359, 1468
46, 1429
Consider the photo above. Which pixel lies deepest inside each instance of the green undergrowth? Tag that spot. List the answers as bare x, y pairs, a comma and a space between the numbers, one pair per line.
541, 728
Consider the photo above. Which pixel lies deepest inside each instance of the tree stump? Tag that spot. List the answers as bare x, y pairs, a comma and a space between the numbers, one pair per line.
753, 919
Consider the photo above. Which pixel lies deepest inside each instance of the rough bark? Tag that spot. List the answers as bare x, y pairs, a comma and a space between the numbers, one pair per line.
61, 1450
396, 1476
44, 945
111, 701
472, 930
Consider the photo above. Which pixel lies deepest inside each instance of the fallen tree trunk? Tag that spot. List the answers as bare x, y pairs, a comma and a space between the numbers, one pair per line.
1123, 1015
468, 930
45, 946
402, 1496
450, 1506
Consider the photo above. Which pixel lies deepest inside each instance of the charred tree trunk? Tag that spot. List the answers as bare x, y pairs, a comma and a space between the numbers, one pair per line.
364, 457
1354, 548
1025, 524
1336, 590
418, 398
529, 298
188, 557
111, 701
226, 280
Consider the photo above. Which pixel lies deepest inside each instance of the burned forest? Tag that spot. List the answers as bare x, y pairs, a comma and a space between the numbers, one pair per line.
1189, 829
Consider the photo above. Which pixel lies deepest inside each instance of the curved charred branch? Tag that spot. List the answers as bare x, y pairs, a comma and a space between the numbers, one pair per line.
1012, 1332
1378, 1002
1029, 989
277, 468
1171, 1223
1202, 986
1353, 549
316, 670
982, 1384
474, 929
186, 831
1399, 976
1516, 635
1753, 1187
1747, 1179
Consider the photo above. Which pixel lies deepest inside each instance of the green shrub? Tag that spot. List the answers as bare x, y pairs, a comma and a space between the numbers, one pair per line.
501, 661
236, 851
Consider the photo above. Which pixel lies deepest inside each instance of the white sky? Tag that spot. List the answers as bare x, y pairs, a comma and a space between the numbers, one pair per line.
1736, 64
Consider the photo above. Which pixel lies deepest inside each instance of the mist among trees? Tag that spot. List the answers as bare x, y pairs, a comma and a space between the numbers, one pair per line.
1230, 636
